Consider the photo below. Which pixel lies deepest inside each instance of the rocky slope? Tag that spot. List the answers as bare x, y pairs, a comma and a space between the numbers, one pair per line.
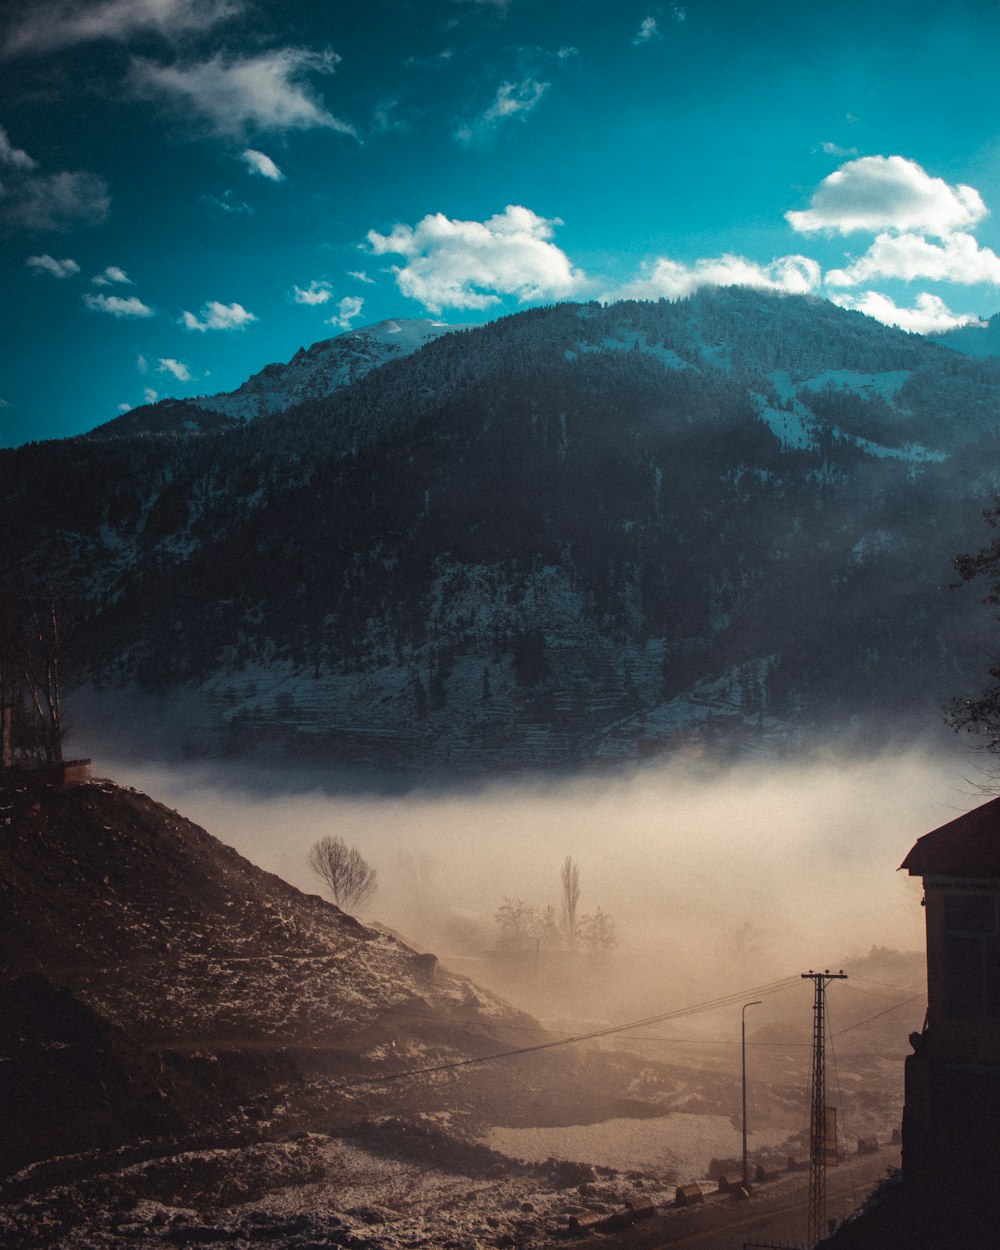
152, 978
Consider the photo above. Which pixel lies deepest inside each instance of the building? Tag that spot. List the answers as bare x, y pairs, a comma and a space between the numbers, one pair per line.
951, 1117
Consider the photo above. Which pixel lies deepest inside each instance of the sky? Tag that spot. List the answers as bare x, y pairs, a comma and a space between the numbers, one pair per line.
192, 189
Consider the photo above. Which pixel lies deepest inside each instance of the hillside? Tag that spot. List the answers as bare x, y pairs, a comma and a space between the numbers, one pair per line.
579, 534
127, 933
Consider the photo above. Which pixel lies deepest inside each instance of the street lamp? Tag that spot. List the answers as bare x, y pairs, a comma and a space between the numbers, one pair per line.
743, 1037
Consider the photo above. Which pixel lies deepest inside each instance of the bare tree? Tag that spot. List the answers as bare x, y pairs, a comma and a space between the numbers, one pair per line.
514, 918
30, 687
349, 877
569, 875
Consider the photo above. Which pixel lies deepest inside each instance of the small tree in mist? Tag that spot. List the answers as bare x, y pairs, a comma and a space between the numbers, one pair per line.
348, 876
543, 928
598, 933
569, 876
514, 919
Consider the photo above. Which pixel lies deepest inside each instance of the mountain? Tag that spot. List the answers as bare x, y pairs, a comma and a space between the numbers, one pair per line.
311, 374
975, 340
576, 534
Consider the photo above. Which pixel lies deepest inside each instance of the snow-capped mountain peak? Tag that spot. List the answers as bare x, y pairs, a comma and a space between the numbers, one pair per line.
312, 373
318, 371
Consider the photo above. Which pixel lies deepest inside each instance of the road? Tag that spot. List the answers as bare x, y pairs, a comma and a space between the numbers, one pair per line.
775, 1213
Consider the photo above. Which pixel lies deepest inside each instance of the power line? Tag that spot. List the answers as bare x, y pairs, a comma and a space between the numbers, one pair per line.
728, 1000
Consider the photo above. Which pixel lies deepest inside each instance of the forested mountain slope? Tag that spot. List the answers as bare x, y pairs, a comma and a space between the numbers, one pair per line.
576, 533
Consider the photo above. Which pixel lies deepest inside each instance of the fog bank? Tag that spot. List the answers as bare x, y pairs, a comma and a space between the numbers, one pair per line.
763, 869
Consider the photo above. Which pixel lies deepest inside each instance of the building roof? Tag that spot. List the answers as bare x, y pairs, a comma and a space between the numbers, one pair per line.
968, 846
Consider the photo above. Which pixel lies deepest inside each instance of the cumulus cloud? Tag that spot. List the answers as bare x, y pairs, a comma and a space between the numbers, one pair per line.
112, 275
877, 193
216, 316
347, 310
361, 276
259, 163
513, 99
175, 367
118, 306
664, 278
57, 268
648, 32
957, 258
150, 396
233, 95
929, 315
471, 264
319, 291
124, 408
47, 25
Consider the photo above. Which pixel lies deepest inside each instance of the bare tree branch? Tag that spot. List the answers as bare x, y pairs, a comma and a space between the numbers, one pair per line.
349, 878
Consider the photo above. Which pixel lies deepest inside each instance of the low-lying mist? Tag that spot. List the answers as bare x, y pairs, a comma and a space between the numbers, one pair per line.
716, 879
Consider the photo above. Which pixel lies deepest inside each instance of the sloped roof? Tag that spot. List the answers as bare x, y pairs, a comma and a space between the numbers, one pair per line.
968, 846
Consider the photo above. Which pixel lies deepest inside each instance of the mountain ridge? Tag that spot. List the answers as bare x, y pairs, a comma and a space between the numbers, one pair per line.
313, 373
577, 534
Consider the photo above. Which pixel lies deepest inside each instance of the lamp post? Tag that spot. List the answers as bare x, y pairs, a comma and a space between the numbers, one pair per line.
743, 1038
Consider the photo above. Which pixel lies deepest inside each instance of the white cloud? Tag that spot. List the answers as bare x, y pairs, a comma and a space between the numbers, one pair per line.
149, 395
124, 407
176, 367
142, 364
958, 258
259, 163
834, 149
348, 308
319, 291
361, 276
57, 201
51, 24
118, 306
111, 276
228, 203
513, 99
470, 264
216, 316
877, 193
265, 92
57, 268
648, 31
664, 278
10, 155
929, 315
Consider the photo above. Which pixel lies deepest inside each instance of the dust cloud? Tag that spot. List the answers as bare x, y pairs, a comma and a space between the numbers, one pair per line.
716, 879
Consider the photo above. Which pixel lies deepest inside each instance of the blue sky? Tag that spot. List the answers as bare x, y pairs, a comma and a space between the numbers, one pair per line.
191, 189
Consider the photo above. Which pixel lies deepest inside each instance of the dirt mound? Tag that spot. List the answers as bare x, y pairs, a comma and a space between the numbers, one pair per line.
151, 977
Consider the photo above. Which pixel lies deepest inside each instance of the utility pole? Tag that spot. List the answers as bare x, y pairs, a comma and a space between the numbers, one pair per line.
743, 1046
817, 1115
